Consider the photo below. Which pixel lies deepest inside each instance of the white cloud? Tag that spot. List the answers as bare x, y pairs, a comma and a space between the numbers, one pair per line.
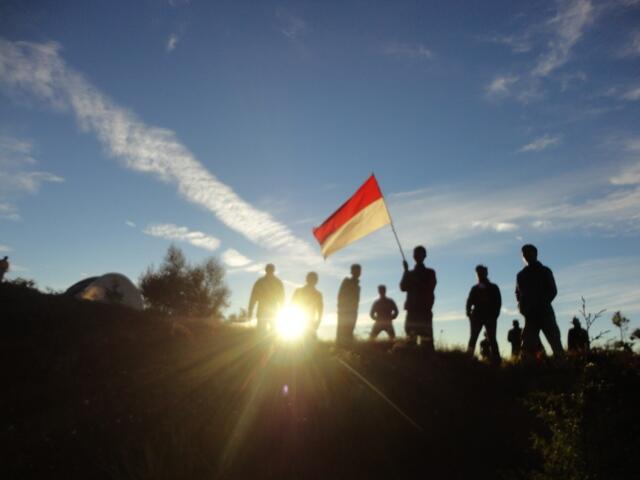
291, 26
517, 43
566, 28
27, 181
129, 223
610, 283
9, 212
17, 175
39, 70
183, 234
496, 226
542, 143
632, 94
633, 47
234, 258
407, 50
172, 42
560, 34
501, 85
4, 248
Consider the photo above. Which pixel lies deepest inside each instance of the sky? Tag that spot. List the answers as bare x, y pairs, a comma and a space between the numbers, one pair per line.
233, 128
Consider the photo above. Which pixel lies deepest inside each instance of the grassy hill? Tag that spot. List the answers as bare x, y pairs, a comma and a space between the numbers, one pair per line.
97, 391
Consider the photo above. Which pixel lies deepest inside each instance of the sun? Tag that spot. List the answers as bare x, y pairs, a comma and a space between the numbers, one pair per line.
291, 323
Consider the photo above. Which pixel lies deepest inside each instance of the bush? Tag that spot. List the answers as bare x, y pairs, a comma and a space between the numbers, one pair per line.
177, 288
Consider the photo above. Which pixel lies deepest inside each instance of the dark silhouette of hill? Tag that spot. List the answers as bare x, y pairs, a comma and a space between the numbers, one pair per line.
96, 391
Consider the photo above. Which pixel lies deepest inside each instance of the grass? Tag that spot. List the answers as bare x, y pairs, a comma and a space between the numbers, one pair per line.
95, 391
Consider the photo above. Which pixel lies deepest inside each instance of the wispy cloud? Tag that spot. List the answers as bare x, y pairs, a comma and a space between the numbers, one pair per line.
633, 94
9, 212
632, 49
17, 175
183, 234
291, 26
129, 223
234, 258
585, 201
560, 34
172, 42
4, 248
608, 283
407, 50
542, 143
501, 85
566, 28
518, 43
39, 70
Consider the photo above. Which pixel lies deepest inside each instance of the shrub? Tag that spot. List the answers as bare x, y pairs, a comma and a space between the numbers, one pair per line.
177, 288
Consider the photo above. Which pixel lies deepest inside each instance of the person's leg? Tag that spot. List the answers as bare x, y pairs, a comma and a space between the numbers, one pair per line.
262, 323
427, 333
390, 331
340, 329
491, 326
375, 331
351, 325
475, 326
530, 337
410, 328
552, 333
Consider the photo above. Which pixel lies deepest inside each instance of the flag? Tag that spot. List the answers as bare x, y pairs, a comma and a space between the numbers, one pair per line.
364, 213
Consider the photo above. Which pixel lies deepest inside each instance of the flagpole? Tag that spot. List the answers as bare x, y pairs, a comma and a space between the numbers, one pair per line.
393, 227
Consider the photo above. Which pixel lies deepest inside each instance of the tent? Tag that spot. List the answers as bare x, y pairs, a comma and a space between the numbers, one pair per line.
110, 288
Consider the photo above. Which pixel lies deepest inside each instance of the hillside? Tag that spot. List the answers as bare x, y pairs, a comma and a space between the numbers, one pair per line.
95, 391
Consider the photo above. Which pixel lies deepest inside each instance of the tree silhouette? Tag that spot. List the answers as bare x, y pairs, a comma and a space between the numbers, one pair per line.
177, 288
622, 323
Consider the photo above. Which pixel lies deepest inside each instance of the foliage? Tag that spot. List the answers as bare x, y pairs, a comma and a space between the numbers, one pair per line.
588, 433
622, 323
178, 288
25, 283
589, 319
240, 317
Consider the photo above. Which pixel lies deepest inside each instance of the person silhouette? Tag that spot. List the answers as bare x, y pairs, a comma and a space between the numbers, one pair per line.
578, 338
348, 300
535, 290
383, 311
419, 284
483, 308
4, 267
514, 337
485, 347
268, 293
309, 300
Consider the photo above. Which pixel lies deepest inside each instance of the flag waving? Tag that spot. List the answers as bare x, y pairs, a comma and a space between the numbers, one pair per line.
364, 213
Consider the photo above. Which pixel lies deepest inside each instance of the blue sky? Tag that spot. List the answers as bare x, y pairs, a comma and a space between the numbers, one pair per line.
232, 128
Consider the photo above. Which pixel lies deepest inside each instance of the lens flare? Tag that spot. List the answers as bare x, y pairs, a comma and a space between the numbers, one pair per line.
291, 323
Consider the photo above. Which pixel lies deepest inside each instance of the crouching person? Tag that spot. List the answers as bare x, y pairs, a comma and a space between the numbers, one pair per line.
383, 312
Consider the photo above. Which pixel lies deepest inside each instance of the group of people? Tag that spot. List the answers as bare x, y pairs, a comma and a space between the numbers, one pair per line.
535, 291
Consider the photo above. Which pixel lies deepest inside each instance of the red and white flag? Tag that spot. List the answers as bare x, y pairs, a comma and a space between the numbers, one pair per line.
364, 213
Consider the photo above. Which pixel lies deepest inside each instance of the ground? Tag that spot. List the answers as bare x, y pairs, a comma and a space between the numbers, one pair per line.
93, 391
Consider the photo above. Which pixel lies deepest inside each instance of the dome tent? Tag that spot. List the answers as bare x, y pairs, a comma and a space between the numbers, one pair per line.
110, 288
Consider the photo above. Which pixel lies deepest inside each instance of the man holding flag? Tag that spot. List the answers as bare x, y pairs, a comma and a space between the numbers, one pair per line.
420, 284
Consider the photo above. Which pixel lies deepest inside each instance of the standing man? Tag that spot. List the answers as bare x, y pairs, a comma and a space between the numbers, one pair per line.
383, 312
420, 285
535, 290
309, 299
348, 300
514, 337
268, 293
483, 308
4, 267
578, 338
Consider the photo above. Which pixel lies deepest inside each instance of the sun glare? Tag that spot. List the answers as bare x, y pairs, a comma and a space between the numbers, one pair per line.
291, 323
